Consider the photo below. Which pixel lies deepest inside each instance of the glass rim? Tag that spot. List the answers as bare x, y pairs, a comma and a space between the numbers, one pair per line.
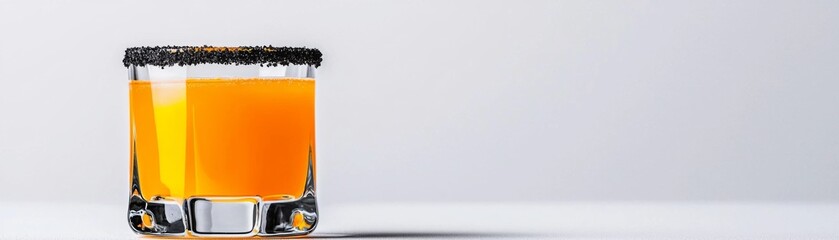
243, 55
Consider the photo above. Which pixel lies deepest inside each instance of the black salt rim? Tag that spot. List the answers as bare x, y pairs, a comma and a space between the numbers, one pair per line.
192, 55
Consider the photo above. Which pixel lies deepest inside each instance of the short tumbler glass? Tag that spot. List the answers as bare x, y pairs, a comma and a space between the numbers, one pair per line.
222, 140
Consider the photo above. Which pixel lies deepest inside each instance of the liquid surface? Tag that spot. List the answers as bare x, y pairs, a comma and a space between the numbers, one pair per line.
223, 137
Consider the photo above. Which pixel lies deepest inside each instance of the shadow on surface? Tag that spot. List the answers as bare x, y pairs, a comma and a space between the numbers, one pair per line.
417, 235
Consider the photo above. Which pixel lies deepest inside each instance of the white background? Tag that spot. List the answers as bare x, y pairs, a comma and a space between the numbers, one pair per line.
426, 101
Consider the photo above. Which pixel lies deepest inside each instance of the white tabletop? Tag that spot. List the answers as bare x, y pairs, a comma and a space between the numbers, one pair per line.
574, 220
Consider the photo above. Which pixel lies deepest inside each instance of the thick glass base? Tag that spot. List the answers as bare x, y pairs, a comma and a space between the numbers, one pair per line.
223, 216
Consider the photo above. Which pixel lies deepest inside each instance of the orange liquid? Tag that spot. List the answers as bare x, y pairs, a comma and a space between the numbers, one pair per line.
223, 137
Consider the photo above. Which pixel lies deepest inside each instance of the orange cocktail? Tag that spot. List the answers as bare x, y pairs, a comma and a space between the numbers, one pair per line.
222, 140
223, 137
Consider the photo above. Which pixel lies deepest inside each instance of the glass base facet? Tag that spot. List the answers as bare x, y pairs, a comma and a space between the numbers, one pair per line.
223, 217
